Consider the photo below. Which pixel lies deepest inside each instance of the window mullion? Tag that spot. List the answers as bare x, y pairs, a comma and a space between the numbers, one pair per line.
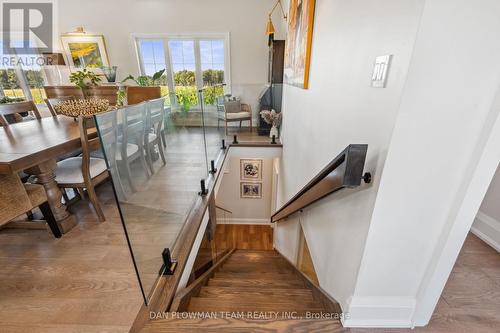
23, 82
142, 69
170, 73
197, 60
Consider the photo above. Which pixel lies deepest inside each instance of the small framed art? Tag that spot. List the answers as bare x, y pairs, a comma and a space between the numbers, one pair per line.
251, 190
250, 169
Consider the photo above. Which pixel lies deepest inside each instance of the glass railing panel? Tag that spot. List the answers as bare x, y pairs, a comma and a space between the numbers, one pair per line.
156, 166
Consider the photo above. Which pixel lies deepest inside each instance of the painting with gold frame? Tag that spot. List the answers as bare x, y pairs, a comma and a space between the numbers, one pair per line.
298, 43
85, 50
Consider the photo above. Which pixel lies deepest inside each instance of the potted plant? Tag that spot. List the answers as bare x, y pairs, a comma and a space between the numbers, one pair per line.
274, 119
148, 87
84, 79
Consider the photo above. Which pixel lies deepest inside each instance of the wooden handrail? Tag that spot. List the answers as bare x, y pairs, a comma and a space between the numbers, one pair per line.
165, 290
343, 171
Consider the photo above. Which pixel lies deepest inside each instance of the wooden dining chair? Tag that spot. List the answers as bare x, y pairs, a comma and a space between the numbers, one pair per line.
108, 93
52, 102
154, 127
18, 198
14, 112
131, 147
84, 172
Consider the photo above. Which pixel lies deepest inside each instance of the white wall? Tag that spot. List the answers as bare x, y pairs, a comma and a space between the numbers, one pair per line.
487, 223
437, 169
245, 210
340, 108
245, 20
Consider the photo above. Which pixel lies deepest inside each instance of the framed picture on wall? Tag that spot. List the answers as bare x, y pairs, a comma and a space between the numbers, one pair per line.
251, 190
298, 43
250, 169
85, 50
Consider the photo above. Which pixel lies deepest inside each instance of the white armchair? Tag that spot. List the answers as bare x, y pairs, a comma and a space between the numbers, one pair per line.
232, 111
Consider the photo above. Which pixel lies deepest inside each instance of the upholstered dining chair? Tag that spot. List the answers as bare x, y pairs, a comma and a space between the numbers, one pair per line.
154, 126
52, 102
18, 198
14, 112
233, 111
131, 140
108, 132
84, 172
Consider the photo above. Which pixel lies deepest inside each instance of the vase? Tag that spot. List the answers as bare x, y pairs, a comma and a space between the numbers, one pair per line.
274, 131
110, 73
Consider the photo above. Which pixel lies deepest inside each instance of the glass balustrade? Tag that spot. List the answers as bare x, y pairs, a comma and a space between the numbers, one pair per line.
156, 167
157, 154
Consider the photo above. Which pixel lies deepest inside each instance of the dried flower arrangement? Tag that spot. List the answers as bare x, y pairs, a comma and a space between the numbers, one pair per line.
82, 107
271, 117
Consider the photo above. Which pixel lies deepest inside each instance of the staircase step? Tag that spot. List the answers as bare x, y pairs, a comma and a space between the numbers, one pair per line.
258, 261
273, 276
249, 304
255, 269
236, 297
306, 294
229, 325
260, 283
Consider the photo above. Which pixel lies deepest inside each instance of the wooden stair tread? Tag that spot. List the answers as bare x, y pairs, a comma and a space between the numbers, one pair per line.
254, 282
229, 325
257, 275
200, 304
236, 297
251, 289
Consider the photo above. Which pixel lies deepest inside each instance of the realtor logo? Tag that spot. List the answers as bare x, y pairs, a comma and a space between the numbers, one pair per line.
27, 27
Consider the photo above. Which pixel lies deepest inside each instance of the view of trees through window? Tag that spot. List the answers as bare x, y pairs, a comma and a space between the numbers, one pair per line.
11, 86
20, 83
191, 60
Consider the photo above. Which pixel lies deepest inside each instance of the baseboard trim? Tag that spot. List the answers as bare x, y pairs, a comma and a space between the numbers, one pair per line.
388, 312
243, 221
487, 229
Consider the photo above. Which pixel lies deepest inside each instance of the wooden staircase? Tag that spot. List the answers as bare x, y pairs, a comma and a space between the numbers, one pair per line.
261, 291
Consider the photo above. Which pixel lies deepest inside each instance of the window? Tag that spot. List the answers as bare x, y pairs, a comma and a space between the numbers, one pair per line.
22, 81
184, 71
192, 63
152, 54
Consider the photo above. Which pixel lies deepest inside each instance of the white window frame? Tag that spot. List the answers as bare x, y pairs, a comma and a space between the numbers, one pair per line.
21, 77
196, 37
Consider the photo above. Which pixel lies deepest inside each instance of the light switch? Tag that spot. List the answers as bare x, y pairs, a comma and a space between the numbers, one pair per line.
381, 70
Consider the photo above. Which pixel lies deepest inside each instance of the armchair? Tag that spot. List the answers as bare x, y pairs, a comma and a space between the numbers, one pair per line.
232, 111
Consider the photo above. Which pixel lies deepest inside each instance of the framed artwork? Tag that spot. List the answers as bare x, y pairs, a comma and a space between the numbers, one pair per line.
85, 50
298, 44
251, 190
250, 169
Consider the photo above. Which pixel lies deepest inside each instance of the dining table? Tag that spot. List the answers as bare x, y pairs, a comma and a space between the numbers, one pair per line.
34, 147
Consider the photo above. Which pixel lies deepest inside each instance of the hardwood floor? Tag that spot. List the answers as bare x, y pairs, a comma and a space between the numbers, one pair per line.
85, 281
244, 236
82, 282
